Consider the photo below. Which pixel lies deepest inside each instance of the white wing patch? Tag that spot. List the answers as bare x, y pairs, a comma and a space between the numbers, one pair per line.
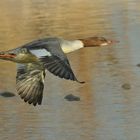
40, 52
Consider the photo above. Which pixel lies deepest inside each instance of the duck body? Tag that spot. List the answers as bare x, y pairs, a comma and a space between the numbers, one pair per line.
35, 57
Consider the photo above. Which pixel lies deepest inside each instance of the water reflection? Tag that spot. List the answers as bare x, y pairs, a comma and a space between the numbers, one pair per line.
105, 111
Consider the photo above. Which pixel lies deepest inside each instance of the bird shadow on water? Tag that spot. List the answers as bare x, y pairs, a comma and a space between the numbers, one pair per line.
7, 94
72, 97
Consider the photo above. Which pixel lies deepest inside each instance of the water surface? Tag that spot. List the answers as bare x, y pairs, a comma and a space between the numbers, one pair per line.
106, 111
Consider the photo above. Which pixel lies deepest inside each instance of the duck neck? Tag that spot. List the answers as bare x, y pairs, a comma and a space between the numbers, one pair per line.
70, 46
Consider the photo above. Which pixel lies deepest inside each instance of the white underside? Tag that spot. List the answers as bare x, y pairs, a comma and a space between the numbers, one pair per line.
70, 46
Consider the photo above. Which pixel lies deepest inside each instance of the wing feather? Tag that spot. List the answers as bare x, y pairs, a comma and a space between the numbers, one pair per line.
60, 68
30, 82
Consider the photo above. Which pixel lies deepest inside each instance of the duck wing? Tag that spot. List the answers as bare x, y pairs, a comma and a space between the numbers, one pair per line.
50, 53
30, 82
60, 68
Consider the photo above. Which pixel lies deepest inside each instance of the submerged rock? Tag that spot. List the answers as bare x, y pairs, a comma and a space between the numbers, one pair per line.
126, 86
72, 97
138, 65
7, 94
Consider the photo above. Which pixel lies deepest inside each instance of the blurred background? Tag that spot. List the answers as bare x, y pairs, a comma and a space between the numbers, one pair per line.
109, 106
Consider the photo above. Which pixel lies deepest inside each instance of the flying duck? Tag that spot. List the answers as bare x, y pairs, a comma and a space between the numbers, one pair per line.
48, 53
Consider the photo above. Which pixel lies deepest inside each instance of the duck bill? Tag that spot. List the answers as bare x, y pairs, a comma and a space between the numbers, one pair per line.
111, 42
6, 56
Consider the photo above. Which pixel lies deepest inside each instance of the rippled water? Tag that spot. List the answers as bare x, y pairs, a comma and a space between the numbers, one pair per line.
106, 111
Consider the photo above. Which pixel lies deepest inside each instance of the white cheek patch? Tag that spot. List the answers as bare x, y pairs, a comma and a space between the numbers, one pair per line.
41, 52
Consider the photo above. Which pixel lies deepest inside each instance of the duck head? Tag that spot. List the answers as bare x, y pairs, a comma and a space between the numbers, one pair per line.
97, 41
19, 55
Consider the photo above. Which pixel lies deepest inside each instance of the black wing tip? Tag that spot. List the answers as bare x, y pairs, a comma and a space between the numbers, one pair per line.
73, 78
33, 103
81, 82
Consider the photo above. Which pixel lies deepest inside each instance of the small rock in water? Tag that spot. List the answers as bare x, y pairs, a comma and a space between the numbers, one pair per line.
7, 94
138, 65
126, 86
71, 97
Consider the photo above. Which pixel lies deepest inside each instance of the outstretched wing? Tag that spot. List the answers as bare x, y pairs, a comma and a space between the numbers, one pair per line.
51, 54
60, 68
30, 82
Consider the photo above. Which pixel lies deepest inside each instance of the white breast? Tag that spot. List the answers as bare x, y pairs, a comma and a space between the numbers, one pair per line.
69, 46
